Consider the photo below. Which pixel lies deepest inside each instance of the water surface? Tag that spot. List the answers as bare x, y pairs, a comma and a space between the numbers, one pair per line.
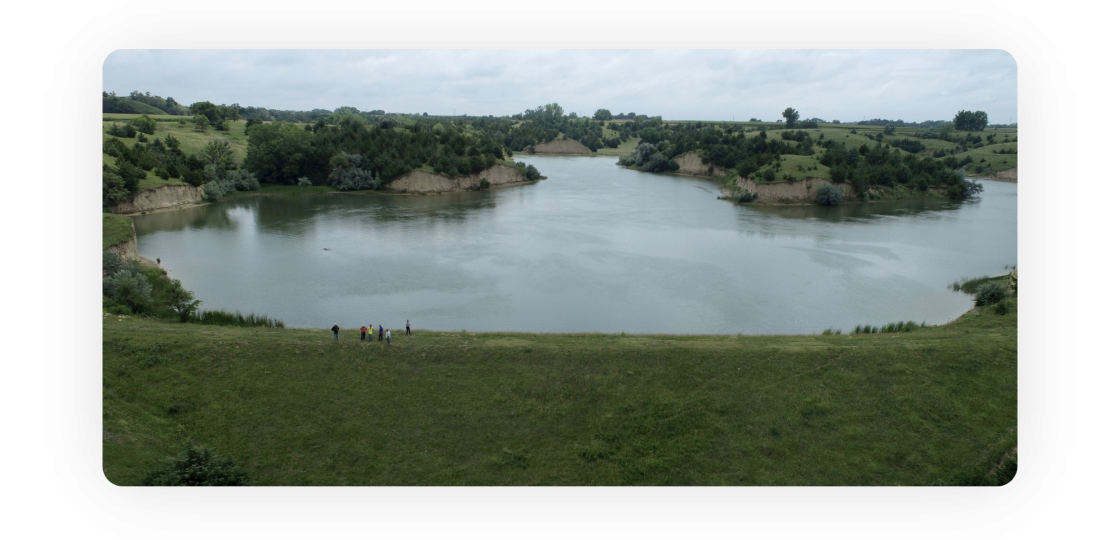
595, 248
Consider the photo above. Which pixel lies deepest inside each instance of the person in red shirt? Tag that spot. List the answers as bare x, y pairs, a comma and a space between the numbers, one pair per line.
363, 338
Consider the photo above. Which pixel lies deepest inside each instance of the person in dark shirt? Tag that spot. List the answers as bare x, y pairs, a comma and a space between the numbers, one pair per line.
335, 330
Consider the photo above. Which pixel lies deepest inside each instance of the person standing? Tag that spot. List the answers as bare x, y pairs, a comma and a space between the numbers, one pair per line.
363, 338
388, 335
335, 330
407, 328
380, 332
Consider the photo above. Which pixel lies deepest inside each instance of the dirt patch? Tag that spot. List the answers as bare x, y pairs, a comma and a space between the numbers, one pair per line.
692, 164
564, 147
798, 191
1009, 175
160, 198
426, 182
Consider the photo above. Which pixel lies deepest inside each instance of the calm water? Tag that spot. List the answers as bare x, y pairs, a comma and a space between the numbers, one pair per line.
594, 248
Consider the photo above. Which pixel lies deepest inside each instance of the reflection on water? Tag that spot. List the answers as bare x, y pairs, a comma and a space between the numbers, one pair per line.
593, 248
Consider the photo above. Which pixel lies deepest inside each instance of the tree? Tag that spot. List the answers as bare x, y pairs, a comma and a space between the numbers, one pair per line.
181, 300
989, 293
144, 125
347, 173
219, 154
970, 120
200, 122
602, 114
791, 116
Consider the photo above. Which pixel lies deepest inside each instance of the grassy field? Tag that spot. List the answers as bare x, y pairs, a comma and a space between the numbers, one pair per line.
115, 229
291, 407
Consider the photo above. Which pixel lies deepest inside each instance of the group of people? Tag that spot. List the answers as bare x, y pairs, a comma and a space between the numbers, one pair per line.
382, 332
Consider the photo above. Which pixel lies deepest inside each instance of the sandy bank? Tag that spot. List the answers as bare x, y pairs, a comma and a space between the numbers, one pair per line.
563, 147
692, 164
1009, 175
426, 182
159, 199
797, 191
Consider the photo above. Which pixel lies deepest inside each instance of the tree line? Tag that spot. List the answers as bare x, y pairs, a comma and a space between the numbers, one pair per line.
758, 155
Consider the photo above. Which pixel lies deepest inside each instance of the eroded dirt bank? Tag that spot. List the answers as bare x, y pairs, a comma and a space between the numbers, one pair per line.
160, 198
426, 182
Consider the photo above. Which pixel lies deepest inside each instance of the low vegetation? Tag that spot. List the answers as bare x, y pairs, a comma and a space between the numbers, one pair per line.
928, 406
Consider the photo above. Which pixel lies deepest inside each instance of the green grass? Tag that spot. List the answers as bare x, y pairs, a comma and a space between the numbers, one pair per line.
935, 405
790, 164
115, 229
993, 162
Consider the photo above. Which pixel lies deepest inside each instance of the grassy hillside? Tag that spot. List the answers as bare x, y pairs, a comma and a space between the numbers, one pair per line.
115, 229
191, 141
292, 407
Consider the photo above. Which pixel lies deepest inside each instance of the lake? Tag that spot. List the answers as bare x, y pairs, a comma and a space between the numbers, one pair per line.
594, 248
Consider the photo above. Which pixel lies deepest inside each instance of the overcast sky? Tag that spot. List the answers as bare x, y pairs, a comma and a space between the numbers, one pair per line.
847, 85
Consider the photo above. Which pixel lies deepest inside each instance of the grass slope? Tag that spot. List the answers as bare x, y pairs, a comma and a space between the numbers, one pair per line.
933, 406
115, 229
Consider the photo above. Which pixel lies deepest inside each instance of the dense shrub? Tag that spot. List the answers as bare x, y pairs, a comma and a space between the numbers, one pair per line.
128, 287
144, 125
829, 195
989, 293
110, 263
197, 467
658, 162
746, 197
348, 174
483, 184
122, 130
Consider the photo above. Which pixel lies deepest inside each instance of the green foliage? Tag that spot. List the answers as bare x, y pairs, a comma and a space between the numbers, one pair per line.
970, 120
197, 467
658, 162
114, 188
347, 173
181, 301
200, 122
122, 130
602, 114
128, 287
111, 263
791, 116
989, 293
225, 318
483, 184
219, 186
144, 124
829, 195
746, 197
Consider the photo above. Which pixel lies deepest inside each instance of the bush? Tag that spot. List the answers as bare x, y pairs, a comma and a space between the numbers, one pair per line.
347, 174
242, 180
122, 130
144, 125
303, 181
483, 184
198, 467
128, 287
989, 293
829, 195
110, 263
1002, 308
746, 196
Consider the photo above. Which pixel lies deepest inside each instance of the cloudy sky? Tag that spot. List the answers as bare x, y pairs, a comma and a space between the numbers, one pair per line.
847, 85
